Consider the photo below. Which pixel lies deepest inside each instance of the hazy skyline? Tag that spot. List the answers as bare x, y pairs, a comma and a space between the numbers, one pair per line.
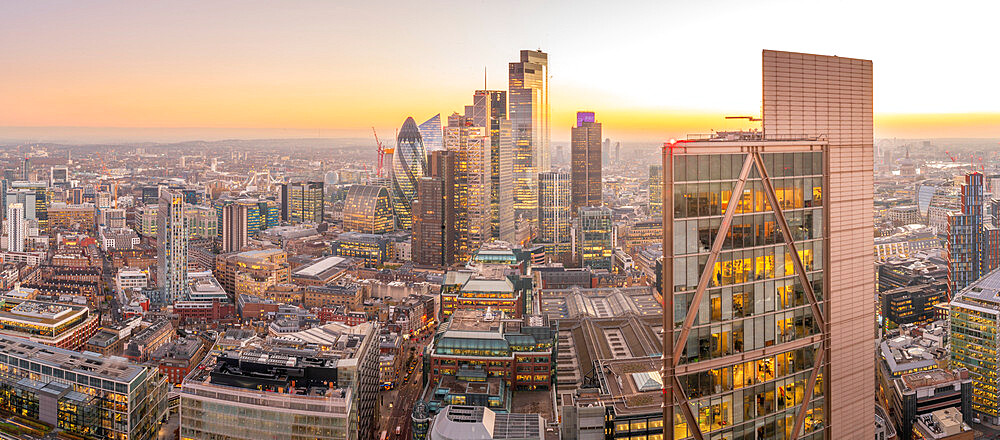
651, 70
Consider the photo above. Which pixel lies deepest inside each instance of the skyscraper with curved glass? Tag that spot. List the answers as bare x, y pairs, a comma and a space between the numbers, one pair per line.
408, 166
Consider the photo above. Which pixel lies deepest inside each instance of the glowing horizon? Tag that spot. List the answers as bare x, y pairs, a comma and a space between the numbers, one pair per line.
650, 71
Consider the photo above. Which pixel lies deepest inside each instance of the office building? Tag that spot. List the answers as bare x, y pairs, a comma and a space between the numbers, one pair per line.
434, 213
294, 392
517, 351
81, 393
656, 191
63, 216
460, 422
252, 272
796, 238
912, 304
528, 88
235, 219
16, 227
470, 145
430, 132
202, 222
974, 319
966, 246
368, 209
59, 325
58, 175
554, 215
595, 238
172, 247
35, 198
409, 163
261, 213
489, 109
465, 290
371, 248
302, 202
585, 161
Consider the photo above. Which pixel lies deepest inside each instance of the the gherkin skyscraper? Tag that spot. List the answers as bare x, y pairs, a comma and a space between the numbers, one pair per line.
408, 166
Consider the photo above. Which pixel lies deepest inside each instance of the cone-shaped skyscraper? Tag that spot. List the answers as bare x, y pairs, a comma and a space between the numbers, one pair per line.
408, 166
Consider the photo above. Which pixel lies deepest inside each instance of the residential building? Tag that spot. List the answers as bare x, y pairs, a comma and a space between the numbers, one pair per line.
965, 246
172, 247
16, 227
233, 228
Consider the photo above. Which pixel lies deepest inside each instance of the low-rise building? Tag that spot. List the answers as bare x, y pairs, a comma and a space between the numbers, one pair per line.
59, 325
177, 358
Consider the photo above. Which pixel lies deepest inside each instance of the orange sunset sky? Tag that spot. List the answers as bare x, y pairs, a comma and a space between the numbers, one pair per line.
651, 70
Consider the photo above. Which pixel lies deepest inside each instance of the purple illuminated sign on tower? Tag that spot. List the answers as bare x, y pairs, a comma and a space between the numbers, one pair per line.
582, 117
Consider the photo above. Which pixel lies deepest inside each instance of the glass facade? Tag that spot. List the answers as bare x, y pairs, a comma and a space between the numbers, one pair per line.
753, 300
974, 318
655, 191
595, 241
430, 131
528, 83
367, 209
965, 246
585, 161
554, 223
302, 202
470, 145
409, 164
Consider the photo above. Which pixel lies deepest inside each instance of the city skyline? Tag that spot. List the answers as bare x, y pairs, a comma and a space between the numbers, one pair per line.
254, 71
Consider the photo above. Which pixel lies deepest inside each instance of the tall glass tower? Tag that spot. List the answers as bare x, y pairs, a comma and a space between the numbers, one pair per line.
430, 131
470, 145
489, 109
767, 307
585, 162
409, 163
528, 84
554, 218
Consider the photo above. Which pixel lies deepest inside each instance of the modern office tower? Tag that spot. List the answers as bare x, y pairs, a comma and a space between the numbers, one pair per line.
489, 109
528, 85
618, 153
261, 213
430, 132
76, 195
40, 212
320, 384
656, 191
965, 246
409, 163
434, 213
974, 318
172, 247
202, 222
554, 218
595, 237
235, 218
470, 145
81, 393
15, 227
585, 161
25, 170
605, 151
58, 175
771, 289
368, 209
302, 202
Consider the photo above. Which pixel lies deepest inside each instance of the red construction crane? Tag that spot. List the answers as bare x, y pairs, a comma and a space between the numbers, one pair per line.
381, 153
953, 158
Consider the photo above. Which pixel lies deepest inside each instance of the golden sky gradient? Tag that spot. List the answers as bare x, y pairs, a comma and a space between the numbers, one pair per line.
650, 70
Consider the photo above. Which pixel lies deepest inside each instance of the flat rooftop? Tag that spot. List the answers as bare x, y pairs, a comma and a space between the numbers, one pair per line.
105, 367
38, 312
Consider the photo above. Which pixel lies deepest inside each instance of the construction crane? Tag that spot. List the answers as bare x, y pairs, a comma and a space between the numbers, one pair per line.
953, 158
381, 153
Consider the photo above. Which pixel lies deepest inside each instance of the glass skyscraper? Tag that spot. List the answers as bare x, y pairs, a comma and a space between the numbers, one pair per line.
489, 109
768, 281
585, 161
409, 163
430, 131
367, 209
528, 84
966, 245
656, 191
302, 202
595, 237
470, 145
554, 222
